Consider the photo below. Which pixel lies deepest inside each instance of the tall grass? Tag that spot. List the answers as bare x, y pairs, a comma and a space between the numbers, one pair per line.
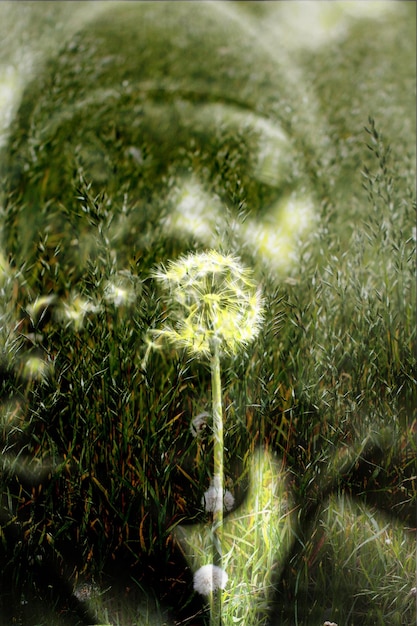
104, 466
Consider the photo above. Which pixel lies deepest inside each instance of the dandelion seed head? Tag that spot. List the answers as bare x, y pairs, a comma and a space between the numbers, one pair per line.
199, 423
228, 500
216, 499
216, 303
209, 578
86, 591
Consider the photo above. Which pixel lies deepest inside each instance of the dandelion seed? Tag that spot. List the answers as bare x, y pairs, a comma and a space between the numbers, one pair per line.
209, 578
228, 500
413, 592
199, 423
214, 499
85, 591
216, 300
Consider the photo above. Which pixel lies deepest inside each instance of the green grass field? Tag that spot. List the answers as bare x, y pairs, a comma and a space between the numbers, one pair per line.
282, 133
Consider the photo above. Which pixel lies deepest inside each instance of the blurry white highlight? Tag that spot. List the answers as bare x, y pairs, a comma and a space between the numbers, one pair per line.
195, 212
122, 289
275, 157
276, 237
306, 24
36, 368
10, 87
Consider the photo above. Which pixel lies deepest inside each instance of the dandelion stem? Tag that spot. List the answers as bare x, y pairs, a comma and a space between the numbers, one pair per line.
218, 312
218, 472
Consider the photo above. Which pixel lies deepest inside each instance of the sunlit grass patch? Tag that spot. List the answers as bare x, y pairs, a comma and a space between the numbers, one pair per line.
253, 540
376, 556
357, 564
276, 238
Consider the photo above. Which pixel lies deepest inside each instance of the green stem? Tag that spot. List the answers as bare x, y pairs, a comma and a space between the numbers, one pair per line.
218, 447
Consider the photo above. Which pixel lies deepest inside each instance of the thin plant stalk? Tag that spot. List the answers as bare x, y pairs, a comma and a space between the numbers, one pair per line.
218, 447
218, 312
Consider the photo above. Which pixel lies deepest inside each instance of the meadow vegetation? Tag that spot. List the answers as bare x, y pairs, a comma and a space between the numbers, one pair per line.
163, 129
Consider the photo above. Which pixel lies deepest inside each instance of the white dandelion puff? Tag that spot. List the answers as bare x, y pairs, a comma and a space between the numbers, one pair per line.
216, 300
228, 500
199, 423
215, 499
116, 295
209, 578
